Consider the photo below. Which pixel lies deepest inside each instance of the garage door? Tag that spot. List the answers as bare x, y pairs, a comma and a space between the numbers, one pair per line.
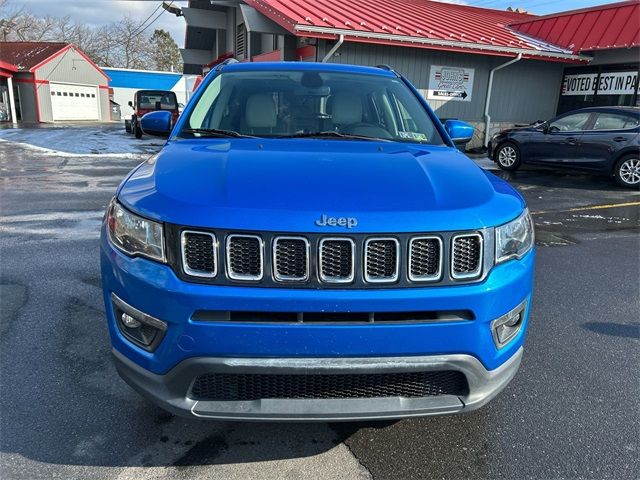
74, 102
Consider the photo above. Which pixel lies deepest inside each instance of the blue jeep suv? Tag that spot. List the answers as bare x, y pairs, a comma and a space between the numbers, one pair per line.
311, 245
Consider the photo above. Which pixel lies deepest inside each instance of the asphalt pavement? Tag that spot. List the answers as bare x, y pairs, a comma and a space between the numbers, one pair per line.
571, 412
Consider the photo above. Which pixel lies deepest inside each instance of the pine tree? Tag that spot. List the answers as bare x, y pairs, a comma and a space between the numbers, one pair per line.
165, 52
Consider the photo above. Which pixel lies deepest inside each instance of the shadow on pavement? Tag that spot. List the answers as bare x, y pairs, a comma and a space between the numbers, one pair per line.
551, 178
614, 329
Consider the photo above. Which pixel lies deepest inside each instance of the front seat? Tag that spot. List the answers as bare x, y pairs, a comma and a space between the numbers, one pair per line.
347, 110
347, 117
260, 115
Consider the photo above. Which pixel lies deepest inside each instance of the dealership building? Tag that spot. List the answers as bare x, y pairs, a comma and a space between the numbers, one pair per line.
489, 67
51, 81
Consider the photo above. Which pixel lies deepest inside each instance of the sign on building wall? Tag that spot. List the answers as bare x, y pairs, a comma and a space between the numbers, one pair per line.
450, 83
610, 83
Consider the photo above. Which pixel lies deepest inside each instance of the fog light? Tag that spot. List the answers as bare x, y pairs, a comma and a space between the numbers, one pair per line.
136, 326
129, 321
505, 328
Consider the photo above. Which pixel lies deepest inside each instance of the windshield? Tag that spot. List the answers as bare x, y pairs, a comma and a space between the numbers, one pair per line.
281, 104
157, 100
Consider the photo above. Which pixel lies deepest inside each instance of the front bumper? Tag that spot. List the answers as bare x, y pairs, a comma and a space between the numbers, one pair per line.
191, 347
168, 390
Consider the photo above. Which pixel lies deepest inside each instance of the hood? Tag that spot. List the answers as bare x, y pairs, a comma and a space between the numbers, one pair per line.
525, 128
286, 185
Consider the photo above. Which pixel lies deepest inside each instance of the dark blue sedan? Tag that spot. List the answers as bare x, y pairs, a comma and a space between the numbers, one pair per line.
598, 139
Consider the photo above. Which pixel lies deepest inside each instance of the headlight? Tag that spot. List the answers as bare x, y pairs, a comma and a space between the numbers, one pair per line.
515, 238
134, 235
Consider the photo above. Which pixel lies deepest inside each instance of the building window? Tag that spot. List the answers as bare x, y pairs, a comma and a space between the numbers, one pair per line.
53, 94
605, 85
64, 94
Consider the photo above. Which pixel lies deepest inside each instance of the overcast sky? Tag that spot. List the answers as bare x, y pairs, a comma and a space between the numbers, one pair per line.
98, 12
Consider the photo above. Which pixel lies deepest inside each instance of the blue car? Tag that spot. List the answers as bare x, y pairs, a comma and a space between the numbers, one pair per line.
310, 245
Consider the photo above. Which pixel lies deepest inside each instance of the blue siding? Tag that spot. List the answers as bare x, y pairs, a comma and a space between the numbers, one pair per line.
146, 80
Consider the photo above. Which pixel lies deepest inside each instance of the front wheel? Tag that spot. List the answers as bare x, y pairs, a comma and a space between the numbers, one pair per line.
508, 157
627, 171
137, 131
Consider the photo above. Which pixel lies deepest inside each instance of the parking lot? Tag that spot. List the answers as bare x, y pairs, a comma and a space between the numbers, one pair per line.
571, 412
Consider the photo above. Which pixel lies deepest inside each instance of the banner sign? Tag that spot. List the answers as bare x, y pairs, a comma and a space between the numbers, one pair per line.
610, 83
450, 83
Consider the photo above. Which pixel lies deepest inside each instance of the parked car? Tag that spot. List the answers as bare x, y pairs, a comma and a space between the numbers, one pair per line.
598, 139
116, 114
4, 113
309, 244
145, 101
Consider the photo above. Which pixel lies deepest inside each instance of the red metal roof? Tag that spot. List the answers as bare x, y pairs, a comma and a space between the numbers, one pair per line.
416, 23
26, 55
8, 66
616, 25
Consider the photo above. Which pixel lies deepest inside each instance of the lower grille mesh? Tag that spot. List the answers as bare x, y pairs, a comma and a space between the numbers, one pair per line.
247, 387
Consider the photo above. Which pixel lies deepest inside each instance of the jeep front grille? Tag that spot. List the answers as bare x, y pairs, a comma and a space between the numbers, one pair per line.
381, 260
337, 261
255, 386
290, 259
311, 260
466, 257
245, 257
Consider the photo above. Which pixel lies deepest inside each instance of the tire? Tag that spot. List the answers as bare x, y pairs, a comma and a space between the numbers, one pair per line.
127, 126
627, 171
137, 131
507, 156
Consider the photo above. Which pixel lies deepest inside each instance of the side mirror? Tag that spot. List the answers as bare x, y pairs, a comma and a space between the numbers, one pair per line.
157, 123
460, 132
130, 104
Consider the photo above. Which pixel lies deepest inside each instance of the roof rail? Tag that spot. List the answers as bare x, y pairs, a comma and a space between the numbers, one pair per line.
388, 68
227, 61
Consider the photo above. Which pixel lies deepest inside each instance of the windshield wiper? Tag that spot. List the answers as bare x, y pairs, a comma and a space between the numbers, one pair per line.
215, 132
332, 134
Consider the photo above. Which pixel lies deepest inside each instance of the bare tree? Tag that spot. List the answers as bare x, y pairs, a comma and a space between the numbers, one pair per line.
120, 44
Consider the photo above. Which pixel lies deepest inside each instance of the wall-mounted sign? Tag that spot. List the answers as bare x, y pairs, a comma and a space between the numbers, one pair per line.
450, 83
610, 83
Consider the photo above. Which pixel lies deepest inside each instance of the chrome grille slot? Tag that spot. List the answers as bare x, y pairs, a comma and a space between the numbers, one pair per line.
425, 258
381, 260
337, 260
290, 259
245, 257
199, 258
466, 256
